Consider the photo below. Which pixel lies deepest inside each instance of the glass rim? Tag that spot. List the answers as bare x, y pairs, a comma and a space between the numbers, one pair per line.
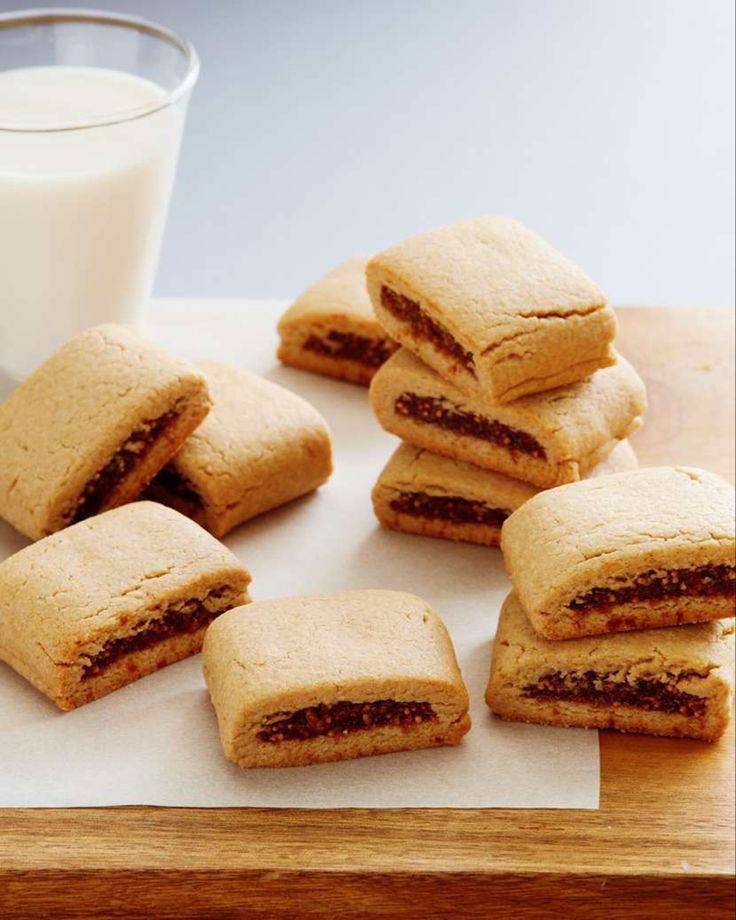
46, 16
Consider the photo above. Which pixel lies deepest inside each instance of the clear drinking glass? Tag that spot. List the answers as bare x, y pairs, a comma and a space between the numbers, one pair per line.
92, 107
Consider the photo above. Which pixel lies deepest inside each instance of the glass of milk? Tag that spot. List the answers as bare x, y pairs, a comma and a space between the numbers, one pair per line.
92, 107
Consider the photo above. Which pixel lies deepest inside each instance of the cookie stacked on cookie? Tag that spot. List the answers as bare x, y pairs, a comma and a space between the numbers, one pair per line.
620, 616
507, 381
116, 588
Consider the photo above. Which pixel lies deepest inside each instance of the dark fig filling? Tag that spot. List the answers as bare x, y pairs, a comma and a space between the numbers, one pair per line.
599, 689
448, 508
703, 581
171, 481
441, 413
332, 719
372, 352
181, 618
424, 327
100, 486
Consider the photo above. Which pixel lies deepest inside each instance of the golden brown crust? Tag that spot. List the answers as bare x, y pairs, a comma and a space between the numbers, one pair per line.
527, 319
260, 447
575, 428
276, 658
99, 394
605, 534
333, 314
695, 660
77, 605
413, 471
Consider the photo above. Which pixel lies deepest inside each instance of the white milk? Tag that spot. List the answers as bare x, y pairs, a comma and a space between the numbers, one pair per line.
82, 212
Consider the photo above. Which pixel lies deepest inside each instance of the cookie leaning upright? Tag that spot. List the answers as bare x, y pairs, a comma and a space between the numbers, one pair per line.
331, 328
88, 429
259, 447
111, 599
493, 308
636, 550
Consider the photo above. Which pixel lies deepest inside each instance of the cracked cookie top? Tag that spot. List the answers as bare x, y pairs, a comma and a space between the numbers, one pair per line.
486, 274
492, 306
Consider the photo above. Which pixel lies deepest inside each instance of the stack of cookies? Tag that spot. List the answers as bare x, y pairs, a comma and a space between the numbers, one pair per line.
507, 382
620, 616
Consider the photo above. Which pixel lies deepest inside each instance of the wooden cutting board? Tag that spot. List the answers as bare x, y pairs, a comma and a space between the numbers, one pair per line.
661, 844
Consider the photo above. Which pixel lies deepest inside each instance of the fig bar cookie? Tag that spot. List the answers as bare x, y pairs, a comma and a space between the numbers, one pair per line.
676, 681
109, 600
331, 328
547, 439
424, 493
259, 447
91, 427
493, 308
648, 548
308, 679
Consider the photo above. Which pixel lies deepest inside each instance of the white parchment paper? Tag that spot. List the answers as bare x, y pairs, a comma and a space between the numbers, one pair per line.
155, 742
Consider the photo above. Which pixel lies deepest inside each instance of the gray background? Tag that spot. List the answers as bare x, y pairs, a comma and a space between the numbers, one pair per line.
322, 128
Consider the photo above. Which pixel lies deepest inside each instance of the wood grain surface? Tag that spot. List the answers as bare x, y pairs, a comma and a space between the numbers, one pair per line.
662, 843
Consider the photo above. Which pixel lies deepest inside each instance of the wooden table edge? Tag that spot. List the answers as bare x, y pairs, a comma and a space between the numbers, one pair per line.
185, 893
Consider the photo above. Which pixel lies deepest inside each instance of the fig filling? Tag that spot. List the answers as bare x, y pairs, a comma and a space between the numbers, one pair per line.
424, 327
442, 413
175, 484
347, 346
332, 719
177, 619
448, 508
600, 689
100, 486
703, 581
